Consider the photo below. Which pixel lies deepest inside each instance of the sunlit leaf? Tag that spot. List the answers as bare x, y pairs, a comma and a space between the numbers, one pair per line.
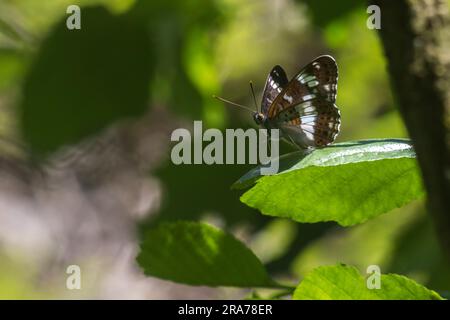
343, 282
348, 183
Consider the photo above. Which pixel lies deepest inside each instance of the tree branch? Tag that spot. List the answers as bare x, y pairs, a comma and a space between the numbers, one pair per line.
416, 39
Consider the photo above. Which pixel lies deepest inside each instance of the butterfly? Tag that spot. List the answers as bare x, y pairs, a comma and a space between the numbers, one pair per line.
304, 108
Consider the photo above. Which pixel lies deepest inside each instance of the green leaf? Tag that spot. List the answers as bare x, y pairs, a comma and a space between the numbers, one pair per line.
83, 80
343, 282
348, 183
200, 254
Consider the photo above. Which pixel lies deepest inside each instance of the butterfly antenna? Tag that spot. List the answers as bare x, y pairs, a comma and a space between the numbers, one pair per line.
233, 103
254, 97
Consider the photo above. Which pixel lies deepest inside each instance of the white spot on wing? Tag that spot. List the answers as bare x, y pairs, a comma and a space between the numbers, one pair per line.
273, 84
313, 83
288, 98
309, 96
309, 119
307, 79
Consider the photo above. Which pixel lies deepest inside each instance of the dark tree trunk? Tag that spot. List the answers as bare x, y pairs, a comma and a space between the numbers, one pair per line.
416, 39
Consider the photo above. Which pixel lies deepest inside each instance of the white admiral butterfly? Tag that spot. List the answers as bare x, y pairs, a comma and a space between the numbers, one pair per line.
303, 109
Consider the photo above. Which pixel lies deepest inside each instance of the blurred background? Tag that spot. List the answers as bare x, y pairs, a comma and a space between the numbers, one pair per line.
85, 123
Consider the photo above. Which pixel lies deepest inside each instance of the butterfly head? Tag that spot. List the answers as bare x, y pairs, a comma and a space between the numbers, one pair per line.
259, 118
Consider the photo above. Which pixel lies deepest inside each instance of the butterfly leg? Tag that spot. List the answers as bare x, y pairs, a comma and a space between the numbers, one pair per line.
269, 141
292, 141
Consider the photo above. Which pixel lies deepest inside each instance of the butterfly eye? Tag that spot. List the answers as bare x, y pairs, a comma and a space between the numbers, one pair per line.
259, 118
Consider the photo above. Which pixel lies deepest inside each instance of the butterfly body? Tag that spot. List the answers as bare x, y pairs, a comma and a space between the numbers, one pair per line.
303, 109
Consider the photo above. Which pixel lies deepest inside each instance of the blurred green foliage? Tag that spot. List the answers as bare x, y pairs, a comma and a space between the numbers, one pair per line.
181, 34
324, 12
82, 81
193, 191
15, 279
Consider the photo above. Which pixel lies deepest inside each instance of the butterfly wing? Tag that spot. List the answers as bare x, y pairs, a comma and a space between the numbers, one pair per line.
304, 110
313, 123
275, 83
